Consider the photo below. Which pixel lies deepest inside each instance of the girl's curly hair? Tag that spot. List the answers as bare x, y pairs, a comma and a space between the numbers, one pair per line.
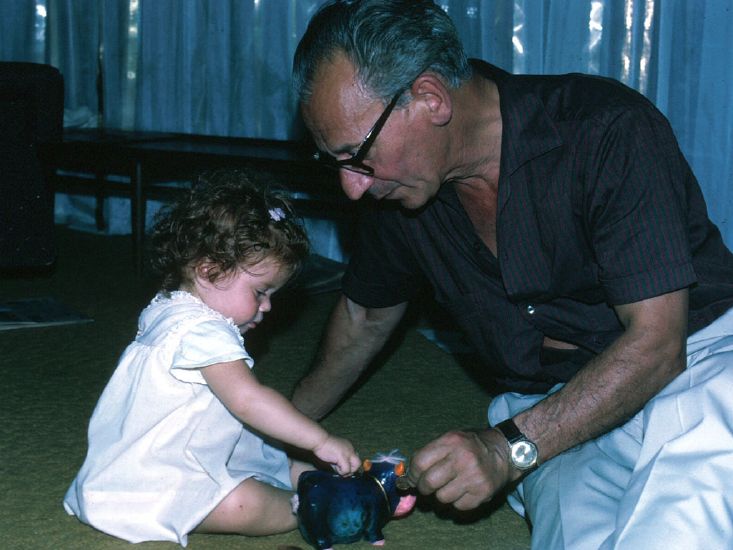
229, 220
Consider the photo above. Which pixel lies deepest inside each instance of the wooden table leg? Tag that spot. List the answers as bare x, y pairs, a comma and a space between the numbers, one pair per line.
99, 196
137, 217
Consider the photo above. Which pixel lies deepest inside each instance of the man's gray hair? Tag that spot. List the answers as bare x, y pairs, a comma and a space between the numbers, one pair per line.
389, 42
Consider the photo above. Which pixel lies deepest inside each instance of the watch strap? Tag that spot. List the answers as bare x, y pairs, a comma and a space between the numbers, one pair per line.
510, 431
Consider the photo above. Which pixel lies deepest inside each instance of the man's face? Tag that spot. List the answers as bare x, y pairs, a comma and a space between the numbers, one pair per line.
340, 114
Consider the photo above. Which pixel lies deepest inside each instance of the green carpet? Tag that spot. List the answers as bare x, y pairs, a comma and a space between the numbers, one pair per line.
52, 377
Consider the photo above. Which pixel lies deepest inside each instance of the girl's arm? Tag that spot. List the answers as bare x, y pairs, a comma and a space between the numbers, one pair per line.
269, 412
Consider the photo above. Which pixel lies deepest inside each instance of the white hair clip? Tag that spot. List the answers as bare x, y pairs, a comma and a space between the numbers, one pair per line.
276, 214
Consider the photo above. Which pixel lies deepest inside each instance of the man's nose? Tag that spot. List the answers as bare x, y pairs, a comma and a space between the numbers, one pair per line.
354, 184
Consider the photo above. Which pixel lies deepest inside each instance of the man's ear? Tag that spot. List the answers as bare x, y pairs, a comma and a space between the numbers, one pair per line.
435, 95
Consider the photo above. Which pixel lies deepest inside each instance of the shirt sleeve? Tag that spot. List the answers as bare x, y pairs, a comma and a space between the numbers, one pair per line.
207, 343
636, 209
382, 271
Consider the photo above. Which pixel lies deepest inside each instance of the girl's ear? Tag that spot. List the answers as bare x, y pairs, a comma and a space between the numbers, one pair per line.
201, 271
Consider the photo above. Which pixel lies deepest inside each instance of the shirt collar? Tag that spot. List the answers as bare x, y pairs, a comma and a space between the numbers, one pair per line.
528, 131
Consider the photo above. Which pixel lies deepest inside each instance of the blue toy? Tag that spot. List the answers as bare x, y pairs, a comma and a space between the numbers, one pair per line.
337, 510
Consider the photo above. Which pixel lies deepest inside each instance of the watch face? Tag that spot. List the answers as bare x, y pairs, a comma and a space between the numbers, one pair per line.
524, 454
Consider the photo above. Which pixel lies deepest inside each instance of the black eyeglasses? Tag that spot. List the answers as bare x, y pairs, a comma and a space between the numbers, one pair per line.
355, 163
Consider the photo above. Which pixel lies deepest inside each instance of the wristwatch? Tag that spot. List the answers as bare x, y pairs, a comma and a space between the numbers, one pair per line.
523, 452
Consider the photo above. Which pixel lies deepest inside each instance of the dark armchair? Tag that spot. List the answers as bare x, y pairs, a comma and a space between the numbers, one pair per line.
31, 115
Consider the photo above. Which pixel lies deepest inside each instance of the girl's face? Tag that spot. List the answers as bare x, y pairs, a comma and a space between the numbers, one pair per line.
243, 295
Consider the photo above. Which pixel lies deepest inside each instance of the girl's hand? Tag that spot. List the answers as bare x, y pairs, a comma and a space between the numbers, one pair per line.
339, 453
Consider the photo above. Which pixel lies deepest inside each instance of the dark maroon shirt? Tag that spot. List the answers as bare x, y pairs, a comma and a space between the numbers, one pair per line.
597, 207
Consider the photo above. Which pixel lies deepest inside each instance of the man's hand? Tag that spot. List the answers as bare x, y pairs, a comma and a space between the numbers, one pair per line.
463, 468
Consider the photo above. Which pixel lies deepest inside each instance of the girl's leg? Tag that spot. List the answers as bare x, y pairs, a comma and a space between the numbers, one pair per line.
297, 467
253, 508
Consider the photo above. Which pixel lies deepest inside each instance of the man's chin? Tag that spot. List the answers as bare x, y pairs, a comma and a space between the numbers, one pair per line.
412, 203
409, 201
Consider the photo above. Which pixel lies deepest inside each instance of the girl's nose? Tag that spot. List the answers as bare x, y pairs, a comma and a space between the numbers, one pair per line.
265, 304
355, 185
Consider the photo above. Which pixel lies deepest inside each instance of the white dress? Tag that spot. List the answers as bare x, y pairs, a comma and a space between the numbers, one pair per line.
163, 450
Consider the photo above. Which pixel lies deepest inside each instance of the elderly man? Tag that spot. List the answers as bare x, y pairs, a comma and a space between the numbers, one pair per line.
556, 220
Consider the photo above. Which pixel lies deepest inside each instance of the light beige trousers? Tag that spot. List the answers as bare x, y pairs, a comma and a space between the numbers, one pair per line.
663, 480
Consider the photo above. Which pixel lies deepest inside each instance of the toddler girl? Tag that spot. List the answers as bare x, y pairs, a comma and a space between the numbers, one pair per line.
168, 451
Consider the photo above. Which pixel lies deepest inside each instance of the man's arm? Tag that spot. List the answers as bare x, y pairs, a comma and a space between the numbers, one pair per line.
353, 336
467, 468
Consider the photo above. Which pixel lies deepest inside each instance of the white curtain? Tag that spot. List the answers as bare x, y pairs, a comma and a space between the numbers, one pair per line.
222, 67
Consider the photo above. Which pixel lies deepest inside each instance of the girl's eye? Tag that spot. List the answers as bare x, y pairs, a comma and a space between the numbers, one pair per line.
261, 293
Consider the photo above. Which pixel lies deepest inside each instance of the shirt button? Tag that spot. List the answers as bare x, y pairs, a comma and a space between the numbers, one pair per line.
530, 309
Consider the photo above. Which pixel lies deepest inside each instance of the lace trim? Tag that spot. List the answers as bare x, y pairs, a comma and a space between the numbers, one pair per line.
187, 297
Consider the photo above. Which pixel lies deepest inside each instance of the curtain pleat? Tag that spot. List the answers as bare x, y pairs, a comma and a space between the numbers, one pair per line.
222, 67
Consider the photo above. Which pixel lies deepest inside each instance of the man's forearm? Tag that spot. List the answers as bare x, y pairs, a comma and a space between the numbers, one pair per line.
353, 337
321, 389
615, 385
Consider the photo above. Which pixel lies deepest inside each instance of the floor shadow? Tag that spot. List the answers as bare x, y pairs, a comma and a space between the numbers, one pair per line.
430, 504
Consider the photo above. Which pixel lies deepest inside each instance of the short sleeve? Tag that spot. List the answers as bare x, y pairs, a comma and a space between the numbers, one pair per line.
381, 271
636, 209
207, 343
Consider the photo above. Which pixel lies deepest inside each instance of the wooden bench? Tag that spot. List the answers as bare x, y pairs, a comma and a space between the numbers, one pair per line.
137, 165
